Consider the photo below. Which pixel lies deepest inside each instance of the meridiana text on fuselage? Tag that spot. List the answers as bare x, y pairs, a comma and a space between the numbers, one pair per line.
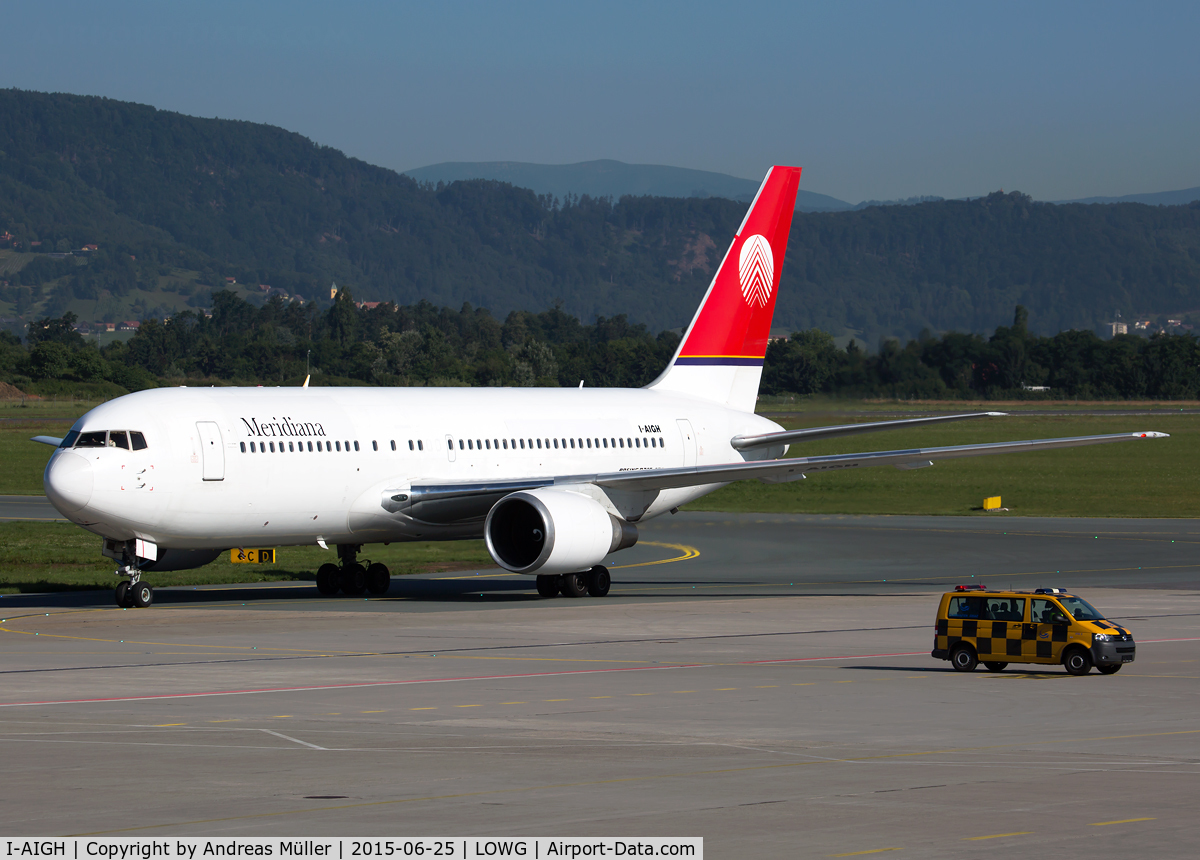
284, 427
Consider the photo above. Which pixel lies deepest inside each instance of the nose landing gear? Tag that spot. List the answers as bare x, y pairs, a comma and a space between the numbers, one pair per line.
351, 577
131, 592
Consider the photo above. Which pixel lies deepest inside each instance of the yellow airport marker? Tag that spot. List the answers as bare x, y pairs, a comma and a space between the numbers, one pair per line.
556, 700
1122, 821
167, 725
599, 697
374, 712
766, 686
514, 703
422, 709
723, 689
872, 851
468, 706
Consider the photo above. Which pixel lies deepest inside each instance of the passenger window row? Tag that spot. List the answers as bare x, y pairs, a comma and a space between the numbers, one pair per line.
520, 444
262, 447
127, 439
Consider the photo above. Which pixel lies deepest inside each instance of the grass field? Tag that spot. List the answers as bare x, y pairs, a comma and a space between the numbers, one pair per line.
40, 557
1153, 478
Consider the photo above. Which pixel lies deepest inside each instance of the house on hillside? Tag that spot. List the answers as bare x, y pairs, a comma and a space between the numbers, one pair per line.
129, 325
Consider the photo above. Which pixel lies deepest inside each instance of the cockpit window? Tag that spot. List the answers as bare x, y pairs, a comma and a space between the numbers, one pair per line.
93, 439
105, 438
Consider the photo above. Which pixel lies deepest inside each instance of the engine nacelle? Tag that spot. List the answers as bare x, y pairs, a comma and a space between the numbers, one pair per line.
550, 532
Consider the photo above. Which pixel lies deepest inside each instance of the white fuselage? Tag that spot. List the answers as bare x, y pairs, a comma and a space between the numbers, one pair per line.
242, 467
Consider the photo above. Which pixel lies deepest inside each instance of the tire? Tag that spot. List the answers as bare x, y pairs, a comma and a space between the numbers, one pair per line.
1110, 669
141, 595
547, 586
327, 579
963, 659
353, 580
574, 584
995, 667
598, 581
1077, 661
122, 595
379, 578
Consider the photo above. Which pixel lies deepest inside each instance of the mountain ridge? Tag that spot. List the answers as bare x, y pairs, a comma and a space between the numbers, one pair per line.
611, 178
184, 204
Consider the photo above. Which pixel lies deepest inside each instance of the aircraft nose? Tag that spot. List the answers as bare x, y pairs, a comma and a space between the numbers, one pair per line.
68, 482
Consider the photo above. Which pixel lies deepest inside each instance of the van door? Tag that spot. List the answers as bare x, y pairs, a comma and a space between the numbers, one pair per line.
1050, 624
689, 441
212, 451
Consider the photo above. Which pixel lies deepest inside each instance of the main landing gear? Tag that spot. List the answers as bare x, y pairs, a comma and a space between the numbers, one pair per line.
595, 582
351, 577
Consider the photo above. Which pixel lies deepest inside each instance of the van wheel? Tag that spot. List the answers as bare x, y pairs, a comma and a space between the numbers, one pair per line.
1111, 669
1078, 661
963, 659
996, 667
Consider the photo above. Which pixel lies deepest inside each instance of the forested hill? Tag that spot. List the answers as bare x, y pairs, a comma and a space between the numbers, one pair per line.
162, 193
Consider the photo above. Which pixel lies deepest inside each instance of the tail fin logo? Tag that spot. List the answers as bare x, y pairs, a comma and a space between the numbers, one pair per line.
756, 270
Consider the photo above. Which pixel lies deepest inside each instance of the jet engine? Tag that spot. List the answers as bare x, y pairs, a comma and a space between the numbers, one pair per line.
550, 532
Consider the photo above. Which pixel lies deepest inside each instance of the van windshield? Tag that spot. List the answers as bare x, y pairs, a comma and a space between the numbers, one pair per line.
1080, 609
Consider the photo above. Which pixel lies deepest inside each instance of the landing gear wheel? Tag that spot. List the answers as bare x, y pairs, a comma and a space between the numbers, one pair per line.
995, 667
142, 594
547, 586
1110, 669
963, 659
598, 581
327, 579
354, 579
1078, 661
379, 578
122, 595
574, 584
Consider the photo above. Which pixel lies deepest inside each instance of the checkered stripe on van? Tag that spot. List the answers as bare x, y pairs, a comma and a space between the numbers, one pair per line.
1000, 638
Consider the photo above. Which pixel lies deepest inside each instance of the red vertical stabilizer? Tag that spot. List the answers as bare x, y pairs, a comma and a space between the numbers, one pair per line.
722, 352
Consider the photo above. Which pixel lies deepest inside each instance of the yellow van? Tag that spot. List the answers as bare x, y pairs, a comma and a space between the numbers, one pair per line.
1046, 625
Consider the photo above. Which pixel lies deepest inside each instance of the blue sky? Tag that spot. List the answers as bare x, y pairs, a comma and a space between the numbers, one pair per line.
874, 100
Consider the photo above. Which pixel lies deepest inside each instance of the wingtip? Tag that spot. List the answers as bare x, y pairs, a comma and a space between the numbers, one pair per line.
1152, 434
996, 414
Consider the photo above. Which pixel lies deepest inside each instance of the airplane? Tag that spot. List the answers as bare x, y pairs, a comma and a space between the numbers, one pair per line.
554, 480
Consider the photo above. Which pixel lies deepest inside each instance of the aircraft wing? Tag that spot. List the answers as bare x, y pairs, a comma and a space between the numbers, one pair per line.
794, 468
451, 502
785, 437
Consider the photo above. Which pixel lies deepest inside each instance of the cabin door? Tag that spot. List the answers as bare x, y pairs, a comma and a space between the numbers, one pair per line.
212, 450
689, 441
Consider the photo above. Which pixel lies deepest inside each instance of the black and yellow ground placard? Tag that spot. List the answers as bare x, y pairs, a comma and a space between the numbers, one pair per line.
252, 556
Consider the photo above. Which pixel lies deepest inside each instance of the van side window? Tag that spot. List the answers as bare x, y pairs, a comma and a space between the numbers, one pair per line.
1044, 611
1006, 609
966, 607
